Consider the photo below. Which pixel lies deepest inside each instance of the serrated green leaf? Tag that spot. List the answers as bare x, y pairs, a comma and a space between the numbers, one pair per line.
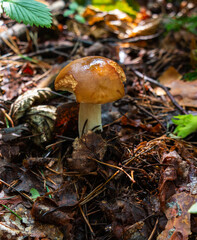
193, 209
32, 13
79, 18
68, 12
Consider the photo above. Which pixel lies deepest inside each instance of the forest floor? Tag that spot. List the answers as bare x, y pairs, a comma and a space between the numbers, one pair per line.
134, 181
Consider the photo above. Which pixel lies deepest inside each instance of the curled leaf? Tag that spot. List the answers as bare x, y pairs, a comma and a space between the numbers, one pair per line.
24, 102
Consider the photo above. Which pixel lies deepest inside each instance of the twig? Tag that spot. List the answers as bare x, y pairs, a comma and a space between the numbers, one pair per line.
113, 166
174, 102
83, 214
133, 39
22, 194
154, 229
150, 114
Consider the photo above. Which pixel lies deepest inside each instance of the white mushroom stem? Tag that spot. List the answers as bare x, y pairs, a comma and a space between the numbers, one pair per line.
89, 118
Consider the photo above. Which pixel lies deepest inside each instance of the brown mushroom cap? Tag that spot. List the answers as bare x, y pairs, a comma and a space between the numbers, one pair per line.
92, 79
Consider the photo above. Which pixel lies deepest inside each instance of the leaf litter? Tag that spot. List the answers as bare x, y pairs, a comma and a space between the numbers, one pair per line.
133, 181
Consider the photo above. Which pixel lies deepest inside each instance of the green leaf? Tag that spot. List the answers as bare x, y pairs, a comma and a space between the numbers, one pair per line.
191, 76
188, 23
34, 193
121, 5
186, 124
68, 12
79, 18
73, 6
193, 209
32, 13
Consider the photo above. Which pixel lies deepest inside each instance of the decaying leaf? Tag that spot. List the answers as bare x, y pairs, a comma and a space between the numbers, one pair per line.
58, 217
176, 170
13, 228
41, 120
91, 145
178, 225
24, 102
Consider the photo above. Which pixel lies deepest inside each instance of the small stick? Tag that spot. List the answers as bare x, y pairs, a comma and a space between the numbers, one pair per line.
174, 102
154, 229
150, 114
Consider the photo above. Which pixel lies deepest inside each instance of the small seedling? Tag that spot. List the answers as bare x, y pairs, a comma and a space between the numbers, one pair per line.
34, 193
75, 10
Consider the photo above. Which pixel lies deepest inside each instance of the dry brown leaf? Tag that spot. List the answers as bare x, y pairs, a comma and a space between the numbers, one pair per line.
90, 146
184, 92
119, 23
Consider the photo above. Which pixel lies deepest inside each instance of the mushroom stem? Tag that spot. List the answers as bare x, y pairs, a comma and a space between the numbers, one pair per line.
89, 118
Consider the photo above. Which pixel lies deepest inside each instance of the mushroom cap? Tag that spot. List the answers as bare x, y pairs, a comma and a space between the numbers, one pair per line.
92, 79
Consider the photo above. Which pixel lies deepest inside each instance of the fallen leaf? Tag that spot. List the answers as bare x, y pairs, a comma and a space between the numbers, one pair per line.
24, 102
183, 92
178, 225
42, 205
67, 119
28, 69
91, 145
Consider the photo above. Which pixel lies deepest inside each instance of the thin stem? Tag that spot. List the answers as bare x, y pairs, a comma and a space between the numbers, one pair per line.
89, 118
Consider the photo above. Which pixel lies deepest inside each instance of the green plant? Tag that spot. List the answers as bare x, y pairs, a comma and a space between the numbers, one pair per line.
186, 124
32, 13
34, 193
191, 76
178, 23
193, 209
124, 6
75, 9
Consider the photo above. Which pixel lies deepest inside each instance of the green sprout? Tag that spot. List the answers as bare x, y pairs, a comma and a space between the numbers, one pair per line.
186, 124
76, 10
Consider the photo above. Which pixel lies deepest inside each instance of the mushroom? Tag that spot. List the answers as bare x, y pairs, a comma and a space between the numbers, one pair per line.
94, 80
